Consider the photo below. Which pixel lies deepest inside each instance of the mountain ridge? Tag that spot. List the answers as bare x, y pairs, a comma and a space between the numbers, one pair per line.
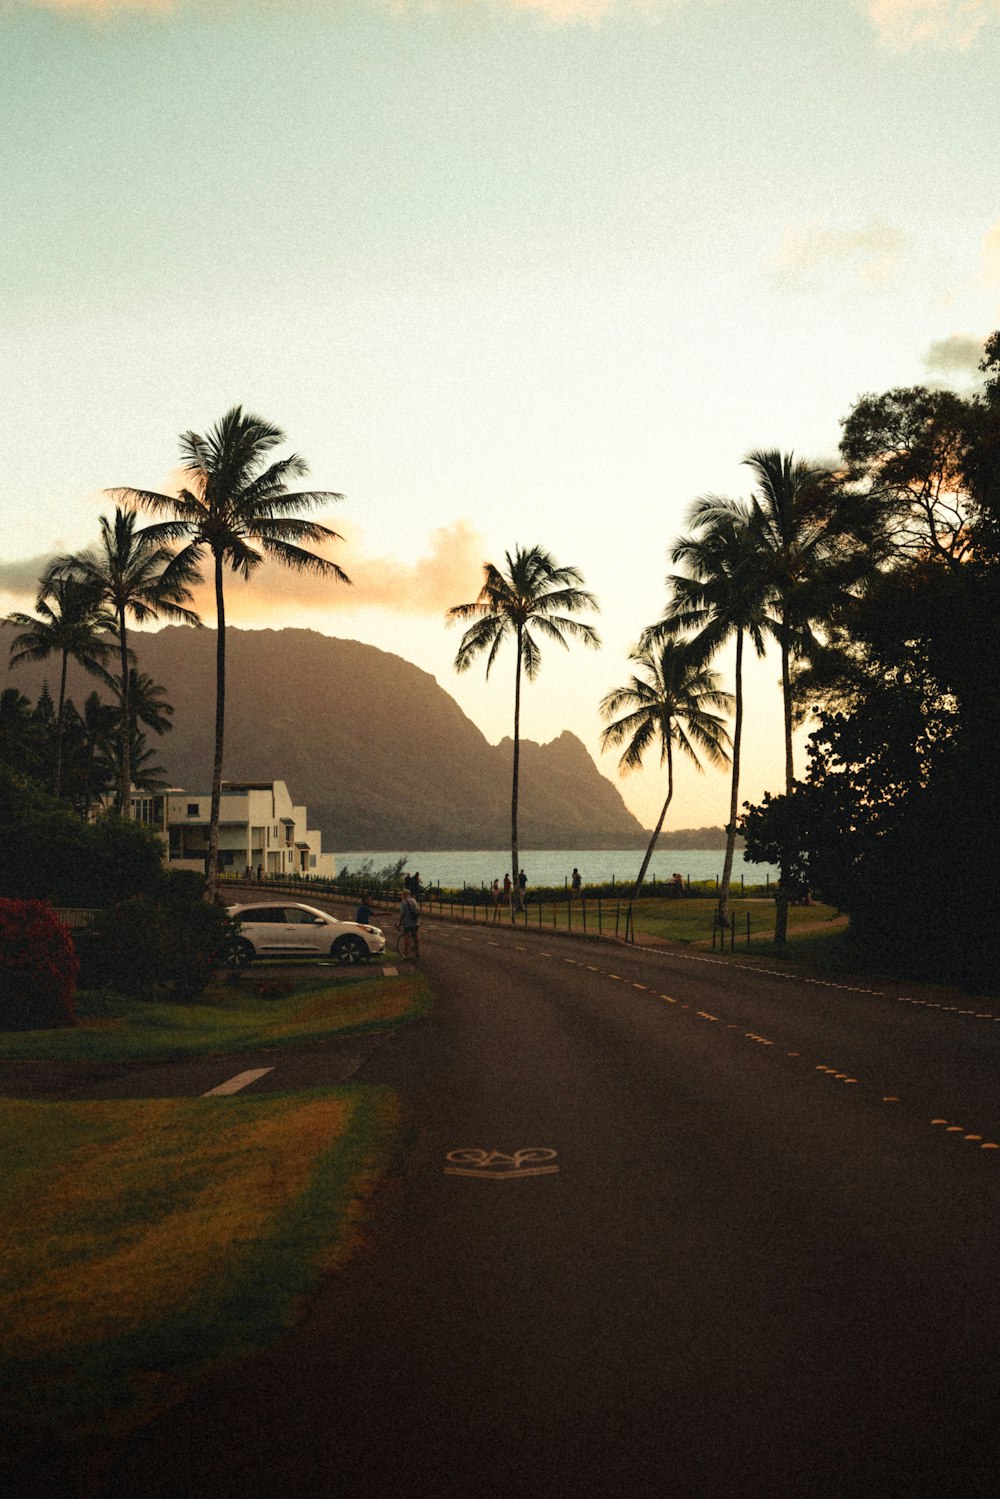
380, 754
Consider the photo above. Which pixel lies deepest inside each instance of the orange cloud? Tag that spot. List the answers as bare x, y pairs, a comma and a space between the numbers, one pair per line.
872, 254
949, 25
560, 12
450, 573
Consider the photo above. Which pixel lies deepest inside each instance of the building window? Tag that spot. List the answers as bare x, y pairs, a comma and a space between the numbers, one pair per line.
192, 809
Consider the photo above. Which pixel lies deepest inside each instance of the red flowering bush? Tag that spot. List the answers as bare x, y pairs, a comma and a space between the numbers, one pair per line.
38, 967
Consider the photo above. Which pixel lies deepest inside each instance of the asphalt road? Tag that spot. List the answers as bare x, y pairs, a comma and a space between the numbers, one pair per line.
666, 1227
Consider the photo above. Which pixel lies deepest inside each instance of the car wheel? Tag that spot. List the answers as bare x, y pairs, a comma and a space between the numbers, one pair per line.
349, 950
243, 953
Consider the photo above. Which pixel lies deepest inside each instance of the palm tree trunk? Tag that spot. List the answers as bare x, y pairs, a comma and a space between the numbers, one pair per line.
734, 790
656, 831
125, 747
212, 858
57, 773
781, 896
514, 871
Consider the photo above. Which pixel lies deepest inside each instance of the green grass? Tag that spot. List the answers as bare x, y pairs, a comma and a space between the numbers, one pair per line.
149, 1240
688, 920
229, 1017
691, 921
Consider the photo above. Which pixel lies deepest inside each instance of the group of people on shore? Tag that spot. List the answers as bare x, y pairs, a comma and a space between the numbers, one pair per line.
502, 895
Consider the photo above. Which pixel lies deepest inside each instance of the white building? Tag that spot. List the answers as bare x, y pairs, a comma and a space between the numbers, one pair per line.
259, 829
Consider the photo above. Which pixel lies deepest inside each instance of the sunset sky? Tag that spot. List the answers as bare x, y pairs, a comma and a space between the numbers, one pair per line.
506, 273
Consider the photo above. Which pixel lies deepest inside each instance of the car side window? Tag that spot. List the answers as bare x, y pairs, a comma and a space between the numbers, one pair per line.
295, 917
263, 913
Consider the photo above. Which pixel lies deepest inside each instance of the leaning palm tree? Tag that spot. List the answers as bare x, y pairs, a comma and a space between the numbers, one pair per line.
535, 594
72, 623
723, 594
669, 701
240, 512
133, 572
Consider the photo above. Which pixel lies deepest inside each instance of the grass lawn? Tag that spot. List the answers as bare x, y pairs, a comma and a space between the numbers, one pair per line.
687, 920
691, 921
229, 1017
149, 1240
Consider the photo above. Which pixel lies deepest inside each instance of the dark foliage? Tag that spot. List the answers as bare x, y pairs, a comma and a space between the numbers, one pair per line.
166, 945
48, 853
894, 819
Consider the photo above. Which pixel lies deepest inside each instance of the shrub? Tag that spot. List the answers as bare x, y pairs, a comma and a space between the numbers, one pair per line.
169, 945
38, 967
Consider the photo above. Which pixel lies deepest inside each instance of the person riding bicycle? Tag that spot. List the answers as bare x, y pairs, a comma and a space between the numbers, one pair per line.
409, 921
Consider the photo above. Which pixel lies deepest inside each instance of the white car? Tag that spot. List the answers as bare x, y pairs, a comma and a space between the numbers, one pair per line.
288, 929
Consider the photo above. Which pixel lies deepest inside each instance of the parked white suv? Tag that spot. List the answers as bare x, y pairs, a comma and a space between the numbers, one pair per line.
288, 929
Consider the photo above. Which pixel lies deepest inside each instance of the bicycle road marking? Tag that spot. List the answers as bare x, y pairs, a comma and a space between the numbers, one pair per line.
498, 1165
241, 1080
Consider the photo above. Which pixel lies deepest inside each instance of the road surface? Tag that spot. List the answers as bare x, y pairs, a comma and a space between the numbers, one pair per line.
666, 1226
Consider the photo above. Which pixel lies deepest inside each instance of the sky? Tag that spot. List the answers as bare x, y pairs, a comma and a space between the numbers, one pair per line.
506, 272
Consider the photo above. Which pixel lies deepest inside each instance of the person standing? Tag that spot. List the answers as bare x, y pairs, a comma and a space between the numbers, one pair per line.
576, 881
522, 887
506, 889
495, 892
409, 920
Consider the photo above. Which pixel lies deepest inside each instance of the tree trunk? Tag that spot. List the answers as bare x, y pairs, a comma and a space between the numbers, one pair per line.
125, 746
514, 871
212, 858
734, 791
656, 831
781, 896
57, 773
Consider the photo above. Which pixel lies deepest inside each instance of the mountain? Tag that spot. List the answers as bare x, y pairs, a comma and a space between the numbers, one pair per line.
379, 753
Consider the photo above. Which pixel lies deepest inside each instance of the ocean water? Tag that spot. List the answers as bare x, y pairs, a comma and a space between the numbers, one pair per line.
549, 867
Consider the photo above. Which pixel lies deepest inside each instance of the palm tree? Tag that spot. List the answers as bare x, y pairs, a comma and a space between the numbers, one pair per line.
809, 560
133, 572
536, 594
793, 527
147, 703
241, 512
723, 594
17, 731
73, 623
669, 701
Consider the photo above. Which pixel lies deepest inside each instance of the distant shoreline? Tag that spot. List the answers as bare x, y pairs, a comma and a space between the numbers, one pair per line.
682, 840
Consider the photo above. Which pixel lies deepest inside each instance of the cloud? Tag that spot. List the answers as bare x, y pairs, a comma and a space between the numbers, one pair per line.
871, 254
449, 573
559, 12
948, 25
100, 9
958, 355
20, 579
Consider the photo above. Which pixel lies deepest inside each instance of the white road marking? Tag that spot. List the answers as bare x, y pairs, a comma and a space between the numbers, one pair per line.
241, 1080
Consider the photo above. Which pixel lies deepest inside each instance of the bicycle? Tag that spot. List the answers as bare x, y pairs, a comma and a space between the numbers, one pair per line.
408, 943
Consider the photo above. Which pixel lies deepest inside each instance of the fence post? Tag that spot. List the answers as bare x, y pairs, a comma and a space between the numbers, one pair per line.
583, 904
600, 929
